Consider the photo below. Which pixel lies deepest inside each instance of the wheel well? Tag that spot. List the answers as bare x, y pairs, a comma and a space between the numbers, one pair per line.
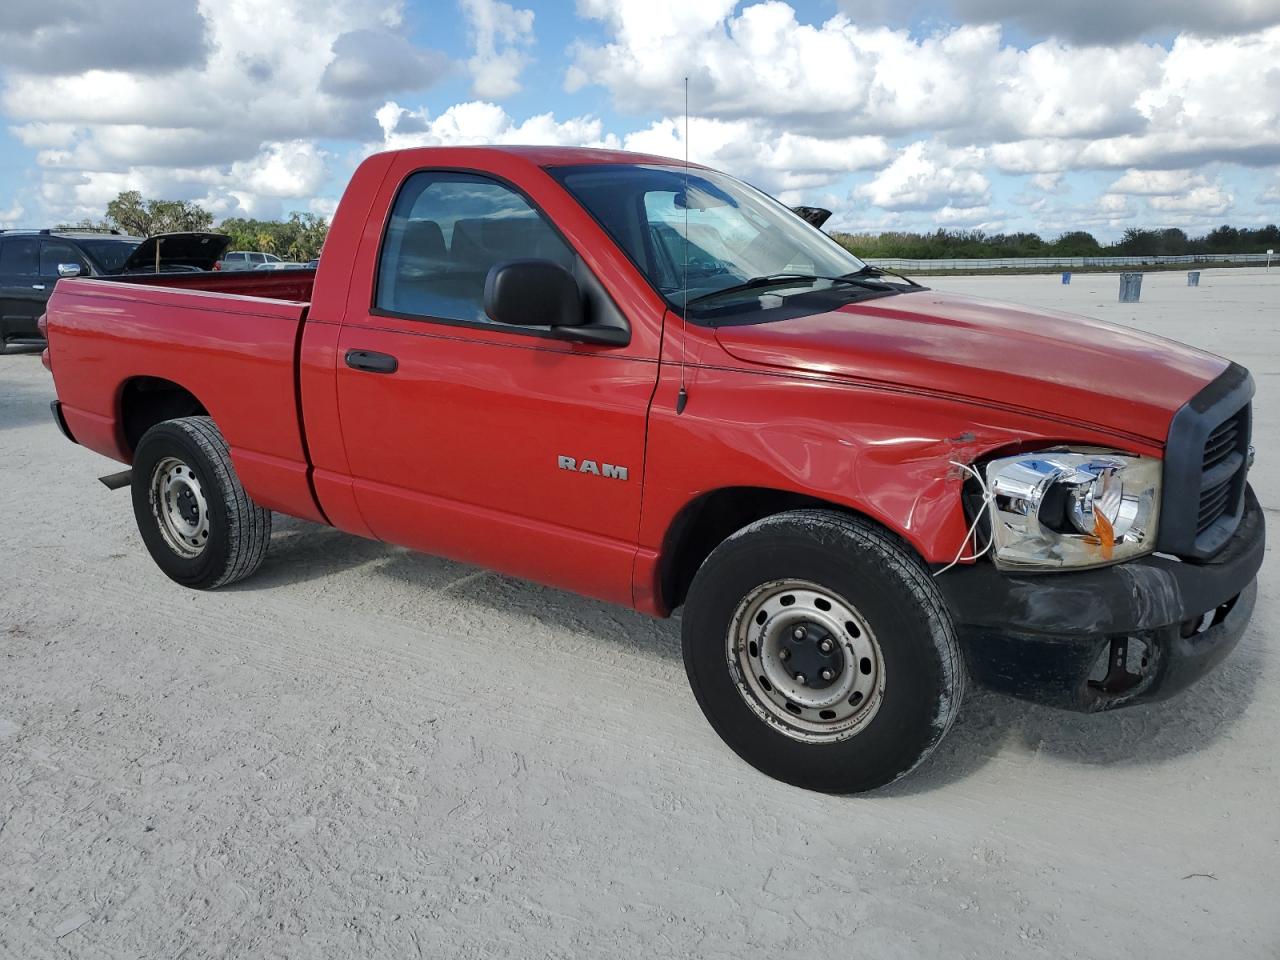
705, 523
146, 401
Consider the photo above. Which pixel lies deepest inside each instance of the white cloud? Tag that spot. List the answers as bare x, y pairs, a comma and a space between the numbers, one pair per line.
293, 169
62, 36
751, 150
1115, 205
500, 34
968, 218
478, 122
11, 216
1049, 183
927, 175
260, 87
1175, 191
1106, 21
1209, 200
373, 63
1045, 109
212, 100
1156, 182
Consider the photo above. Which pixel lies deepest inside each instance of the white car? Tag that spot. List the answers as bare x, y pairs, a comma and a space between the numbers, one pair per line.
245, 260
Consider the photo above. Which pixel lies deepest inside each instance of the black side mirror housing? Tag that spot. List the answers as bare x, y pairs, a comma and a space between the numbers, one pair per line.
533, 293
814, 215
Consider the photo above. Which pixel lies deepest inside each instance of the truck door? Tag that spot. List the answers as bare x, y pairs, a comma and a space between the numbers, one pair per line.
23, 293
492, 444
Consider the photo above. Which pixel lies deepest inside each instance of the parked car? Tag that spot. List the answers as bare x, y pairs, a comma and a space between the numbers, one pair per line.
281, 265
32, 261
244, 260
861, 491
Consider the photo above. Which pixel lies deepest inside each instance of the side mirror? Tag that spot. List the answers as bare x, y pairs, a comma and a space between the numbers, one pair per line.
68, 270
814, 215
533, 293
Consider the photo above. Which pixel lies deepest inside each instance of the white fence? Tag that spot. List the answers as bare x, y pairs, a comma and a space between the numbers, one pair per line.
1064, 263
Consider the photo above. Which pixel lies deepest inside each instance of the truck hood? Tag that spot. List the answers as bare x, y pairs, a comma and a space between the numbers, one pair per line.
1045, 362
199, 251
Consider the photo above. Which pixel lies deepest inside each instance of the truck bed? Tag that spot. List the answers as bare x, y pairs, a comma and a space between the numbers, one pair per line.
230, 340
292, 285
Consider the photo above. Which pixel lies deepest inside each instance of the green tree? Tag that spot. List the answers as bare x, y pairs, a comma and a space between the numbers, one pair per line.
145, 218
299, 238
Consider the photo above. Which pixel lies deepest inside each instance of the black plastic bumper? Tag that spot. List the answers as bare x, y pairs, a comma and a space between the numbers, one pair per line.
1106, 638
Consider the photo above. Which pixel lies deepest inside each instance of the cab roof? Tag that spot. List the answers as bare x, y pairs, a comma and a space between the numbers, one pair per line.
554, 156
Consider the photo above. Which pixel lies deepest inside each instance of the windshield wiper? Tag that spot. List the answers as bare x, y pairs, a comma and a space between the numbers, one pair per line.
776, 278
869, 271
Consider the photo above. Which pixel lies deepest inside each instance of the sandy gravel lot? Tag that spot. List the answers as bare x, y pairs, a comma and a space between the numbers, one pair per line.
368, 752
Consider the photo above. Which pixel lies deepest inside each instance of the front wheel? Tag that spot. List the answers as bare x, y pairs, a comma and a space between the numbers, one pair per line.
199, 525
821, 651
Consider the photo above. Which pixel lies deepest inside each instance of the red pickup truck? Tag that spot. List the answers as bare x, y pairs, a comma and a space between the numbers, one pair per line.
654, 385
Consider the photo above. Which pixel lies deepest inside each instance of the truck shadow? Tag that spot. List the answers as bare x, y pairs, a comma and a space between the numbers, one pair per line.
994, 727
991, 727
303, 552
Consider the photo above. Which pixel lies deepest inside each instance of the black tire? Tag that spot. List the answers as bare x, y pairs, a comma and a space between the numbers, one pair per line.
233, 542
889, 586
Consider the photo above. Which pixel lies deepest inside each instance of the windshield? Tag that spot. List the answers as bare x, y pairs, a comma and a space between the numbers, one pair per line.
735, 233
110, 254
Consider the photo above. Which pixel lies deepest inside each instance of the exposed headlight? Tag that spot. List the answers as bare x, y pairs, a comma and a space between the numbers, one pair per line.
1072, 509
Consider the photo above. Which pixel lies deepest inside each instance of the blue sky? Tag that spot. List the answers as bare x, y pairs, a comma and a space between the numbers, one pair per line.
898, 114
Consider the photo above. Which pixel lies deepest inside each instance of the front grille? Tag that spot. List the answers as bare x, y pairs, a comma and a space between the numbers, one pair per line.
1222, 483
1205, 468
1222, 441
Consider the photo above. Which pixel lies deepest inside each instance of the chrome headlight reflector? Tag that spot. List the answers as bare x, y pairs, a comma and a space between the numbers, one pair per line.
1072, 508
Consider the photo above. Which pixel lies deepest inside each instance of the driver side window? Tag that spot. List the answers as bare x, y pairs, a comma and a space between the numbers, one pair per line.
56, 252
447, 230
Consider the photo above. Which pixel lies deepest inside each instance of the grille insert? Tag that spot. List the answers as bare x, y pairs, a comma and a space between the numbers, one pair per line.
1221, 494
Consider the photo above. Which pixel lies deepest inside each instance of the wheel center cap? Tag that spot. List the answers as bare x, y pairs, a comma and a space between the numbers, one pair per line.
811, 655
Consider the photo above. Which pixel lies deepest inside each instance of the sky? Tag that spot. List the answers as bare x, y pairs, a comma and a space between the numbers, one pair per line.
1000, 115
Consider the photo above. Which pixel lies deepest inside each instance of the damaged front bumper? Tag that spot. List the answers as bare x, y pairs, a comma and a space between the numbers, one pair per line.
1110, 637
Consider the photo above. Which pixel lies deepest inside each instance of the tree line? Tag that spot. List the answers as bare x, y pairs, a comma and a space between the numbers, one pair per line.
302, 235
298, 238
1136, 242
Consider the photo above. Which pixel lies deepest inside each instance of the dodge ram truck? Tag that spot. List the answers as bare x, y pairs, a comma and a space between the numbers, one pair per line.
649, 383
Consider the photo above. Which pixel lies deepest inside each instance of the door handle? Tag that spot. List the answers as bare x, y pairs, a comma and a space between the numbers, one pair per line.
372, 362
37, 286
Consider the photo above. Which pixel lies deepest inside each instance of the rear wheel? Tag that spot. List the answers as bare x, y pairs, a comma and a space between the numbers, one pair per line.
821, 651
198, 523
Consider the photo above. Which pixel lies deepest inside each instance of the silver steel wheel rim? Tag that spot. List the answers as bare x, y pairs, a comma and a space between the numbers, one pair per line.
768, 622
180, 508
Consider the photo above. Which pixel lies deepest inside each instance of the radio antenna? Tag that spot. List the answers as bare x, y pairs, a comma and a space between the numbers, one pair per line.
682, 398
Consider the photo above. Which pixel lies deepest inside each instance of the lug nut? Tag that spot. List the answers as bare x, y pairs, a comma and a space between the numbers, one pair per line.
798, 633
827, 674
784, 654
825, 646
800, 679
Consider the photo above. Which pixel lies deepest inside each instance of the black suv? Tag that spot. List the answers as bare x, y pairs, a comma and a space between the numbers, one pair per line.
32, 261
29, 267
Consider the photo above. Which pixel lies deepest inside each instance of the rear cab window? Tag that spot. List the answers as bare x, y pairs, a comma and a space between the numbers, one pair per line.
445, 233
